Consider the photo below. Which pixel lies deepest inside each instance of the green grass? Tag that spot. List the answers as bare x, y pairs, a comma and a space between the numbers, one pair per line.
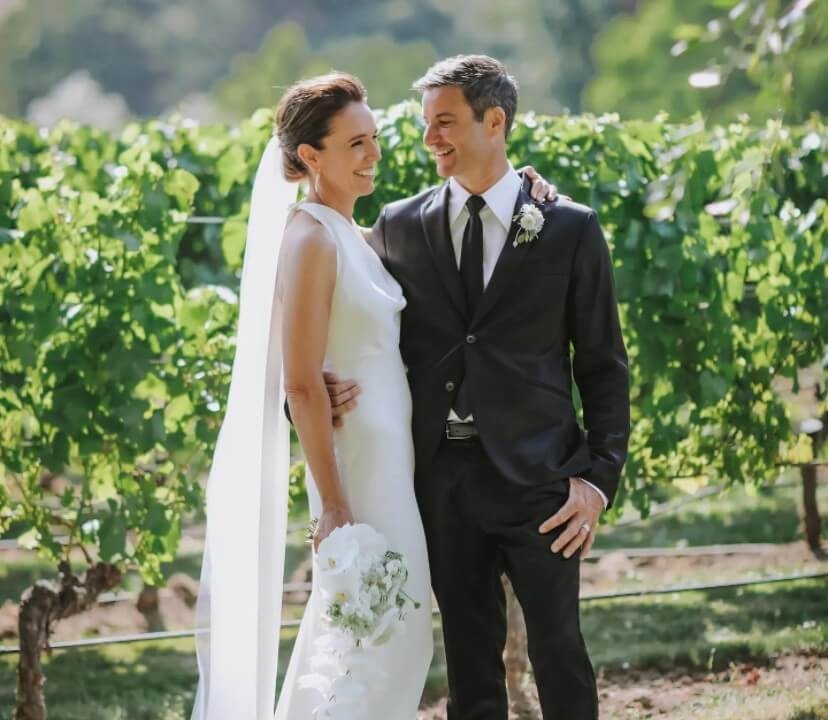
816, 713
136, 681
696, 631
739, 515
708, 630
142, 681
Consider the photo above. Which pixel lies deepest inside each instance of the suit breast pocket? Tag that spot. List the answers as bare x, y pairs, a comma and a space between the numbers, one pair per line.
546, 280
547, 265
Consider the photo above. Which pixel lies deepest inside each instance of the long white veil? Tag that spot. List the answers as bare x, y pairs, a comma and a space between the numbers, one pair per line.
239, 605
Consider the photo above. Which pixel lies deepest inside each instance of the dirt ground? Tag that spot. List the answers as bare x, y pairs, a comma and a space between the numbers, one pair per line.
616, 571
745, 692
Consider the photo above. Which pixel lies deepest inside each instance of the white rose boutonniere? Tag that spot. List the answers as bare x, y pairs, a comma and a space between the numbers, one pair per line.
530, 218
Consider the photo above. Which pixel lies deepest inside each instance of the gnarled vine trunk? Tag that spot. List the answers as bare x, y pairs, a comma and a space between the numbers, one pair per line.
41, 605
149, 605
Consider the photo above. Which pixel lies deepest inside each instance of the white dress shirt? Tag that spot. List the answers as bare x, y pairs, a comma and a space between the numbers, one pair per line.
496, 217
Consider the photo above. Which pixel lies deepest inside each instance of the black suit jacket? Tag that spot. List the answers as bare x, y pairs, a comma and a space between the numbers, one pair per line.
549, 312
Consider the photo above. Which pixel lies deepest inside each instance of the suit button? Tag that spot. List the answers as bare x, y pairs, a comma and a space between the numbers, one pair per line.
449, 386
471, 339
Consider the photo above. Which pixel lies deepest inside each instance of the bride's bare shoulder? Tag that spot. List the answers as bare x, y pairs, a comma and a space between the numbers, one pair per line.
308, 247
305, 231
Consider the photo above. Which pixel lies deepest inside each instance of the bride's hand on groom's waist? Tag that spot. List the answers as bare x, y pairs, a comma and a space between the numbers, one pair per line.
343, 394
579, 515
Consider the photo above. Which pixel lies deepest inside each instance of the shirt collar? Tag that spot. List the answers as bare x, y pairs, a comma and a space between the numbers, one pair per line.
500, 198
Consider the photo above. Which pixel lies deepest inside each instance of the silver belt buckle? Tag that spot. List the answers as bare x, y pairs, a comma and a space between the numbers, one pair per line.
460, 436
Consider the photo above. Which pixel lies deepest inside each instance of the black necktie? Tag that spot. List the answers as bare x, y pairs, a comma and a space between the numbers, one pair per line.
471, 270
471, 255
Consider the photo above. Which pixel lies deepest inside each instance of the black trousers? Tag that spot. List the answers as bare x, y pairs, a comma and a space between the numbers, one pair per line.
478, 525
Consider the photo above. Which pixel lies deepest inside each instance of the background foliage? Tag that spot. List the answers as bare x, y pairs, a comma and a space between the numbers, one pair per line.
117, 316
769, 54
627, 56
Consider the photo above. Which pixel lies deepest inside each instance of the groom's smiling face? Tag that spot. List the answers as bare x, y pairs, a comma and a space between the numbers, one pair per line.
459, 142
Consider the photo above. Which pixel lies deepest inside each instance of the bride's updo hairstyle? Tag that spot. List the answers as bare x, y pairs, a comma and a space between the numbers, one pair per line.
305, 112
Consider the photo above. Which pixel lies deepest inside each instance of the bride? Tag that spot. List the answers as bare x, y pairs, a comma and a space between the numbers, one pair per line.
331, 306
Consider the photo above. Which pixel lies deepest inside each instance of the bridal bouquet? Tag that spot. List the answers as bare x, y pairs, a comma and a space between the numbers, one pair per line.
361, 582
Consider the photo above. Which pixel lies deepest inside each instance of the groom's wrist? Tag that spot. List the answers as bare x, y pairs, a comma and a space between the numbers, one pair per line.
600, 492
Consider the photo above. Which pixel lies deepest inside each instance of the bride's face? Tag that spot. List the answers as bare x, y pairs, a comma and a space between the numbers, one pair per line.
347, 162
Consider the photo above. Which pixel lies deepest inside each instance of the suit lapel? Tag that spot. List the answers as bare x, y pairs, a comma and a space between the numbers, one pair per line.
508, 261
435, 220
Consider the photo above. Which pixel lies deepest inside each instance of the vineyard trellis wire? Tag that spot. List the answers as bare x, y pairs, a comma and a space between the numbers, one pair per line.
675, 590
292, 587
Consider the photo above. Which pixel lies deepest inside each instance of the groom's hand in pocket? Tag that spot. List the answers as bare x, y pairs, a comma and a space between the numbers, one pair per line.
343, 394
579, 515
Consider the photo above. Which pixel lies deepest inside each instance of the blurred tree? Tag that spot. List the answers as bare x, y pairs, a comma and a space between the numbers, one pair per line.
721, 57
515, 34
30, 65
153, 52
403, 20
258, 78
573, 26
545, 45
386, 68
156, 52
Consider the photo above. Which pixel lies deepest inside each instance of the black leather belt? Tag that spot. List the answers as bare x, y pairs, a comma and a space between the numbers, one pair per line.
461, 430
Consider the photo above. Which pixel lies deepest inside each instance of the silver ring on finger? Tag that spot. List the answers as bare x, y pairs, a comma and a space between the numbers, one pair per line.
585, 527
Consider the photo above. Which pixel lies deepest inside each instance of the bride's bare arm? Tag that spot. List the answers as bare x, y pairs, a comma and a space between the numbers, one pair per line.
308, 267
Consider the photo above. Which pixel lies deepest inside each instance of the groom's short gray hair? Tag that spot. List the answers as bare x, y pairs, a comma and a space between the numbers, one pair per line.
484, 80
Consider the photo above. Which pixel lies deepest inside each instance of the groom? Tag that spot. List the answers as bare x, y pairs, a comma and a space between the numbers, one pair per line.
508, 301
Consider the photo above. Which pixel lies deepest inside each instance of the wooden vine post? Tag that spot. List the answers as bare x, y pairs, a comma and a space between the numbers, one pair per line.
817, 430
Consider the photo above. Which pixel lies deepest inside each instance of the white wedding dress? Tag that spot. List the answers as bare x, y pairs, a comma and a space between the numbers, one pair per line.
375, 458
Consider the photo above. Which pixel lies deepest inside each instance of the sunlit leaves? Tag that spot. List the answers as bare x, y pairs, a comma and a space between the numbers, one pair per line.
117, 317
98, 373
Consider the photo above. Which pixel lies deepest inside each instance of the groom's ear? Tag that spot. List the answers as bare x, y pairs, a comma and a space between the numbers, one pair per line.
495, 121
